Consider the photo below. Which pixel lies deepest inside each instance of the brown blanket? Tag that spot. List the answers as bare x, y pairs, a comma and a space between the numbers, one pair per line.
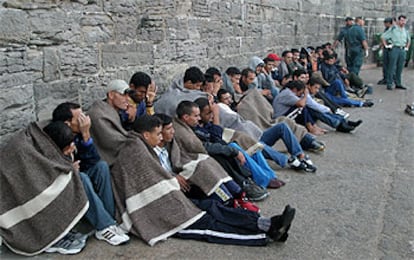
148, 199
203, 171
208, 171
107, 130
42, 198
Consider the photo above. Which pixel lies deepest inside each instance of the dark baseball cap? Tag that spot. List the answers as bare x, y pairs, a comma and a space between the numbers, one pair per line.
388, 20
349, 19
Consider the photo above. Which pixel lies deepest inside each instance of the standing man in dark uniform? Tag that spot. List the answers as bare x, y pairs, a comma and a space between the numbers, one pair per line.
357, 45
397, 40
349, 21
385, 53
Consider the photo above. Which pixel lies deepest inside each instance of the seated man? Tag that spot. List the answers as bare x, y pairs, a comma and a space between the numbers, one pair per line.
246, 227
141, 98
184, 88
210, 132
94, 173
42, 197
169, 154
319, 111
292, 98
188, 115
336, 90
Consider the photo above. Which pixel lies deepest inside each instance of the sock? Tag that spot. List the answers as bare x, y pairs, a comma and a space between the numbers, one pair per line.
263, 223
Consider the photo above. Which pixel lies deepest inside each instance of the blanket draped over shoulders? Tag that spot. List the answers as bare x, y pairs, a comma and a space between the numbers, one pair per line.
148, 199
204, 170
42, 197
107, 130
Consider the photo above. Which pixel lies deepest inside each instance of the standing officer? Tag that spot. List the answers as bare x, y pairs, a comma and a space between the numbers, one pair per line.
349, 21
397, 40
385, 53
357, 43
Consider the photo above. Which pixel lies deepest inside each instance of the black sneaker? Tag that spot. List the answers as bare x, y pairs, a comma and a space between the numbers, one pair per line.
296, 164
344, 127
253, 191
368, 104
354, 123
410, 110
309, 164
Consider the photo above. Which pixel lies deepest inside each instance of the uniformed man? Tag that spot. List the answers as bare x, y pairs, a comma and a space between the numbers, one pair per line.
349, 21
397, 40
357, 45
388, 22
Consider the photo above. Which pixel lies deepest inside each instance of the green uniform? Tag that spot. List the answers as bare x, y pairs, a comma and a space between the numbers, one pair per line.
399, 38
341, 36
355, 52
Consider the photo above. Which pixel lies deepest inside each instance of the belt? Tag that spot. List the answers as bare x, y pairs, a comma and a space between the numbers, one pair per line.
399, 47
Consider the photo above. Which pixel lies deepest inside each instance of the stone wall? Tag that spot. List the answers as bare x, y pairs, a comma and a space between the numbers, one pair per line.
54, 51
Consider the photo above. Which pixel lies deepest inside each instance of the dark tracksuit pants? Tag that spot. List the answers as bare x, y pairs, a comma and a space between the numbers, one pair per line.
224, 225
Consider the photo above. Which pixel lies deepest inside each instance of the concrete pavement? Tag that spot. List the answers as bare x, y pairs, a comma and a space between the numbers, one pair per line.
359, 204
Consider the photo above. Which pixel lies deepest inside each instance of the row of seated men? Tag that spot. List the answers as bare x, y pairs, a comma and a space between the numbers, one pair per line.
189, 163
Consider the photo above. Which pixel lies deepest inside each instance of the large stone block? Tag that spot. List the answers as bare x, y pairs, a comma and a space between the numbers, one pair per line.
14, 27
49, 95
16, 110
118, 55
78, 60
51, 63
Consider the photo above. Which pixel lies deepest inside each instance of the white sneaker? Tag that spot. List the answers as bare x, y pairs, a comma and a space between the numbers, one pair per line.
341, 112
66, 246
113, 235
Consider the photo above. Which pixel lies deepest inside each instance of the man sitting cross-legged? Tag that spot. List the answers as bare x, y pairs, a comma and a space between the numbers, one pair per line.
218, 224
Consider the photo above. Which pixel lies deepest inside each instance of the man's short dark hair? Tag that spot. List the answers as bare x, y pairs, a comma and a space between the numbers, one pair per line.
221, 92
166, 119
245, 72
202, 102
213, 71
146, 123
295, 84
185, 108
284, 53
140, 79
63, 112
208, 77
60, 133
231, 71
294, 50
402, 16
299, 72
267, 60
194, 74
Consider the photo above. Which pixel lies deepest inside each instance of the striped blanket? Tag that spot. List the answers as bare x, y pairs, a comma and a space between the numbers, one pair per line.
42, 197
148, 199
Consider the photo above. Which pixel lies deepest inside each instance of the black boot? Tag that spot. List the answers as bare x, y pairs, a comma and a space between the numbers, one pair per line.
280, 224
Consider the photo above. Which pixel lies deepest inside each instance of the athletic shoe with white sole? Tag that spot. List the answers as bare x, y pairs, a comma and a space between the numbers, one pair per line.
113, 235
67, 246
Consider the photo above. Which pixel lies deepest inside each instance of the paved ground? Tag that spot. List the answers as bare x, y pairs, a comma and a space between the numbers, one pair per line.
359, 204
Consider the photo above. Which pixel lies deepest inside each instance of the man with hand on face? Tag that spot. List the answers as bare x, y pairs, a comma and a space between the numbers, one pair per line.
141, 98
94, 173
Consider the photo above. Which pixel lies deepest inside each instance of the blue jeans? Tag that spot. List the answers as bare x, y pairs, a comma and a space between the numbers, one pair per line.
337, 87
97, 184
282, 131
333, 120
261, 171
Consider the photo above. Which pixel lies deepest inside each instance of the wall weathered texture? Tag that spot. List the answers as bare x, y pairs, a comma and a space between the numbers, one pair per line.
54, 51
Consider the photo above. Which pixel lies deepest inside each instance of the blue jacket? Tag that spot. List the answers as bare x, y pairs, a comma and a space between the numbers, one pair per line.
86, 152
